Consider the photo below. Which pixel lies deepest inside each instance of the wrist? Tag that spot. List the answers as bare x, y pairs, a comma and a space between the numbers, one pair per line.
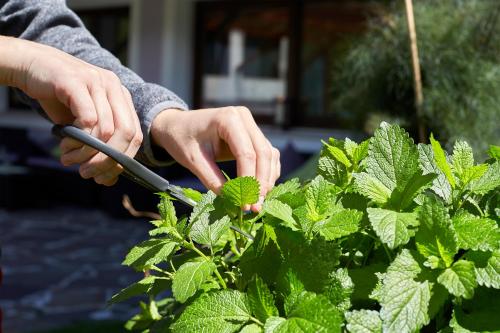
160, 123
13, 61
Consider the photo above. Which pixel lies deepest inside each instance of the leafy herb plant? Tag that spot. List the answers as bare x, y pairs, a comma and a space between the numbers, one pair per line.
389, 237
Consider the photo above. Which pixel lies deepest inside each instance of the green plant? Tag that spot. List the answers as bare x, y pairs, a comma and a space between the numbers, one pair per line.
459, 44
390, 236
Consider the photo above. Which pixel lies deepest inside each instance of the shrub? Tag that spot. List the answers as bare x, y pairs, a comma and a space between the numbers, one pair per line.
390, 236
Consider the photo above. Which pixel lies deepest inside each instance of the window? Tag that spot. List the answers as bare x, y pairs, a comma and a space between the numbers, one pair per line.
276, 57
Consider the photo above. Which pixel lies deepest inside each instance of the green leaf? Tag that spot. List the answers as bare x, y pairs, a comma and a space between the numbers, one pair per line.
363, 321
252, 328
474, 233
318, 198
150, 252
401, 199
440, 184
371, 187
337, 154
224, 311
435, 236
340, 224
462, 158
489, 181
281, 211
167, 210
189, 277
339, 289
241, 191
404, 301
487, 268
459, 279
204, 232
392, 157
205, 205
494, 152
136, 289
393, 228
332, 171
290, 186
356, 152
261, 300
441, 162
310, 313
192, 194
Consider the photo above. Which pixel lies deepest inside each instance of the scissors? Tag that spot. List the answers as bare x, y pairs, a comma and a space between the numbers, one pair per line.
132, 169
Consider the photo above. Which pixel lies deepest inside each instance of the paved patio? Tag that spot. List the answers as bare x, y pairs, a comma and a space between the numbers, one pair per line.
62, 265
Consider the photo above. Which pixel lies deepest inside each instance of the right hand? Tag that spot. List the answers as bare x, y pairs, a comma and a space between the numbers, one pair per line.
93, 99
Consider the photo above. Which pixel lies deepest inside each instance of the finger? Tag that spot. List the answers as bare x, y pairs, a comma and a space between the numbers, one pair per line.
108, 178
76, 97
69, 144
136, 142
276, 166
79, 155
202, 163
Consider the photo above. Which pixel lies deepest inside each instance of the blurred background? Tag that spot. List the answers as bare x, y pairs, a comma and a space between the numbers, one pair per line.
308, 70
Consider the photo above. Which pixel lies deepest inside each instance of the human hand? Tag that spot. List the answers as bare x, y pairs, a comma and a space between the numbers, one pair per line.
196, 139
93, 99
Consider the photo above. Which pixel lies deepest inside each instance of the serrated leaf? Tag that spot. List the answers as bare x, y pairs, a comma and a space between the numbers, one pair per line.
281, 211
224, 311
494, 152
474, 233
340, 224
462, 158
435, 236
392, 157
318, 198
332, 171
363, 321
489, 181
167, 210
241, 191
310, 313
459, 279
261, 300
487, 268
339, 289
252, 328
473, 173
393, 228
136, 289
441, 162
440, 184
189, 277
404, 301
205, 205
206, 233
150, 252
290, 186
371, 187
350, 147
192, 194
401, 199
337, 154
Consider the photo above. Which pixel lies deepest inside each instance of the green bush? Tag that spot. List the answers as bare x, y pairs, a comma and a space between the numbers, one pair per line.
459, 46
389, 236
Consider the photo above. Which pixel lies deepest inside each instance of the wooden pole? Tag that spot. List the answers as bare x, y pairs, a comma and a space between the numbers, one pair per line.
419, 96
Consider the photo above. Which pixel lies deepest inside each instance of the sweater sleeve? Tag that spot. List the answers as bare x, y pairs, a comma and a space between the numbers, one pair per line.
52, 23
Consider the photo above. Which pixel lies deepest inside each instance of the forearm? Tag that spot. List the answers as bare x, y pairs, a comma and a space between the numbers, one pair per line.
10, 62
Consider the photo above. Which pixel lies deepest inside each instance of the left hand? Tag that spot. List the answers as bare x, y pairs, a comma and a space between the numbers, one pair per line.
197, 139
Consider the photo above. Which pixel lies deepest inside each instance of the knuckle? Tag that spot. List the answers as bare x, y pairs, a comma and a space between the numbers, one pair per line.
276, 153
265, 152
137, 140
247, 155
128, 133
106, 132
88, 120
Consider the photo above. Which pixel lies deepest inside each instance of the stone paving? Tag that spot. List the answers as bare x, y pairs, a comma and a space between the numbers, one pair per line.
61, 265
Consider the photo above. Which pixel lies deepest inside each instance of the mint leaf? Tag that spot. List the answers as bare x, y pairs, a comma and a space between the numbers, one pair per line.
404, 301
150, 252
136, 289
261, 300
204, 232
224, 311
489, 181
363, 321
337, 154
371, 187
440, 184
340, 224
474, 233
318, 198
393, 228
494, 152
435, 236
332, 171
167, 210
241, 191
189, 277
252, 328
487, 268
357, 152
462, 158
310, 313
459, 279
205, 205
290, 186
441, 161
401, 199
339, 289
281, 211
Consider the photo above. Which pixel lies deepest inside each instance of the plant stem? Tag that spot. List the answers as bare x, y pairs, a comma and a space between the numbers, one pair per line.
158, 269
258, 322
191, 246
389, 255
221, 280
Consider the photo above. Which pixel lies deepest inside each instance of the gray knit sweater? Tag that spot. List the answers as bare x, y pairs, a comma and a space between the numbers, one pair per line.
52, 23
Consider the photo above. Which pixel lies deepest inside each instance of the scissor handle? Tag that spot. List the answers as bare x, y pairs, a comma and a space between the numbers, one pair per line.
133, 169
